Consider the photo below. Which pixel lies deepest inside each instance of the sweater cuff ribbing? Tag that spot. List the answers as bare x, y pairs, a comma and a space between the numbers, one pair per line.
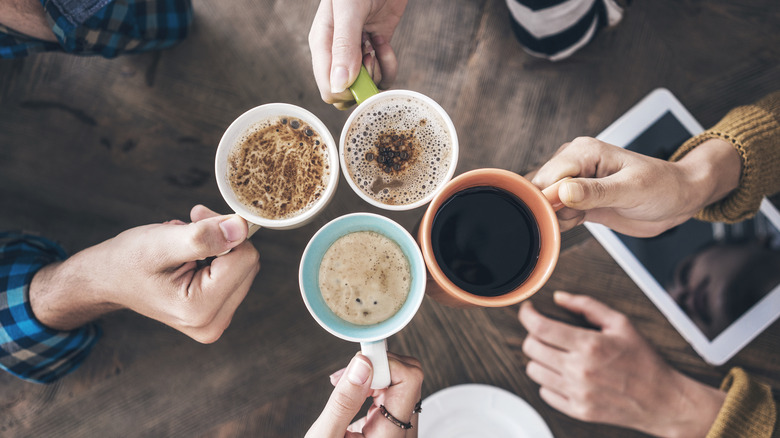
749, 410
752, 130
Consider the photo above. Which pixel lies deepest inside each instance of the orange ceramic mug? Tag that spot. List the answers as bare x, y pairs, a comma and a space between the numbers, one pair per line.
542, 207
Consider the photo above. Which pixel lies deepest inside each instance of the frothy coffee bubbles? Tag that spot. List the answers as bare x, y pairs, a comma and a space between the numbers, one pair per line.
398, 150
279, 167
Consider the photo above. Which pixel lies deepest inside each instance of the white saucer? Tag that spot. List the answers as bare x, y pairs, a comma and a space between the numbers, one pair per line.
479, 411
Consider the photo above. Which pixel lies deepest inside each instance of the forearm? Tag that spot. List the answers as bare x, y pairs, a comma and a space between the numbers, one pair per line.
26, 17
63, 295
29, 349
695, 407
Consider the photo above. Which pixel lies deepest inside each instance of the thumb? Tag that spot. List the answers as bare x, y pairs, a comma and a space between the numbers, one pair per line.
346, 51
589, 193
345, 401
202, 239
594, 311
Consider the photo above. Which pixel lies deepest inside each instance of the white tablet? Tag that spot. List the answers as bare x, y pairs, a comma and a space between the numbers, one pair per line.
718, 284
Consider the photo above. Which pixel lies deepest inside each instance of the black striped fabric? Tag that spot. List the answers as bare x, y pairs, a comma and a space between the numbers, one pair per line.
555, 29
536, 5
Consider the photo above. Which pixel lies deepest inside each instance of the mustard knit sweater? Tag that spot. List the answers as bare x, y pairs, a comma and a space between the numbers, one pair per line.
754, 130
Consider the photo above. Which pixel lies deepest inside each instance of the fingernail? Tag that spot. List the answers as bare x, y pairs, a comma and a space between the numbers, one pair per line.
334, 378
358, 371
560, 295
339, 79
370, 63
337, 374
571, 193
233, 228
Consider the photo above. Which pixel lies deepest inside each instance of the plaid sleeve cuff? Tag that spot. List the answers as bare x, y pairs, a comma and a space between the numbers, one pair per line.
119, 26
28, 349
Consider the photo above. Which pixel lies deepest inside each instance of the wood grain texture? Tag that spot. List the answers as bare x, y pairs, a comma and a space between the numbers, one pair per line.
91, 147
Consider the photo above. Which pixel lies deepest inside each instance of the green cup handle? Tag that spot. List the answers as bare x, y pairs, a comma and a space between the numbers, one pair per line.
364, 86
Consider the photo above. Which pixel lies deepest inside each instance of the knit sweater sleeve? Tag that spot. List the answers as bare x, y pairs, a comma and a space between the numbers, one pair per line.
754, 130
749, 409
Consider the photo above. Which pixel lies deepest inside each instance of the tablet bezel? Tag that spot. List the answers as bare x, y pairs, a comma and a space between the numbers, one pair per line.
720, 349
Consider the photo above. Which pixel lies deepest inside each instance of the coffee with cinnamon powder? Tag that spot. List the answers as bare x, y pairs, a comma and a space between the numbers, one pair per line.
279, 167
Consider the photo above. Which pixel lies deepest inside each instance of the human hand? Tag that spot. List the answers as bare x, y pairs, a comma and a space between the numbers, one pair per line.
353, 386
154, 270
344, 34
611, 374
635, 194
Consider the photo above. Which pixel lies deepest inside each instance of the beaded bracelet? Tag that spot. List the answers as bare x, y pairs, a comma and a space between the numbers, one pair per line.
397, 422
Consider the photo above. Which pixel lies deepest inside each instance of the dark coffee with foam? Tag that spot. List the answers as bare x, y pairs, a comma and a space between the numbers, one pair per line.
279, 168
398, 150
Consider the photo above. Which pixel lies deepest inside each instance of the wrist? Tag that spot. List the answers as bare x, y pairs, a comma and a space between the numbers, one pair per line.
695, 408
711, 171
62, 296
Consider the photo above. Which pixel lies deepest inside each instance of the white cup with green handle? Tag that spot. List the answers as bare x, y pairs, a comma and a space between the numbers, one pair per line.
398, 148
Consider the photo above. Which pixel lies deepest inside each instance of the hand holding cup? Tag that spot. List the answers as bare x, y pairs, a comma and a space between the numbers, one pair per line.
351, 384
154, 270
344, 34
635, 194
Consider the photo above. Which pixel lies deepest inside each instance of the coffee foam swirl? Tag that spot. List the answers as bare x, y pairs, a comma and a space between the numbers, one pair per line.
279, 167
398, 150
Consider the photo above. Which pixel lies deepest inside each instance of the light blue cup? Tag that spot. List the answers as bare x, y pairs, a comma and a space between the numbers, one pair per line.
372, 338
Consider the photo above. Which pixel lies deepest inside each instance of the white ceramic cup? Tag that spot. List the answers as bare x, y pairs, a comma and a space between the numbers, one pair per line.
367, 105
245, 123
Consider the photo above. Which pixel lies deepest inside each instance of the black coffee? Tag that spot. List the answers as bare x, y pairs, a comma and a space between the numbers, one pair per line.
485, 240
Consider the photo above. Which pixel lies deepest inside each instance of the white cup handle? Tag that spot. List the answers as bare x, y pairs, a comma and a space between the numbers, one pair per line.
252, 229
376, 352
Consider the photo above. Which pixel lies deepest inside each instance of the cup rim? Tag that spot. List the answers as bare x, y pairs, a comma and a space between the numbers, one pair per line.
549, 231
447, 121
246, 121
400, 319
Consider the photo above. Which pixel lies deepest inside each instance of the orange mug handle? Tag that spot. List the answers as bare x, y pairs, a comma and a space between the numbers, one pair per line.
551, 193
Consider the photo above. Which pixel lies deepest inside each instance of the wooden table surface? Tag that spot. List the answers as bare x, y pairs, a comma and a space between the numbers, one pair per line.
91, 147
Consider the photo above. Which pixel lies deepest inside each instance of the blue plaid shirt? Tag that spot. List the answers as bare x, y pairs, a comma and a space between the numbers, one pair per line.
28, 349
121, 26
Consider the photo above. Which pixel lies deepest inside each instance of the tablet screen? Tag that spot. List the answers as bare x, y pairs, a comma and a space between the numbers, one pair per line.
714, 272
